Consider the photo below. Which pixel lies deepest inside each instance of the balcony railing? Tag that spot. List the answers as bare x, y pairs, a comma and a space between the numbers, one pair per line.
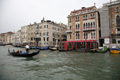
88, 28
69, 30
77, 30
37, 36
118, 32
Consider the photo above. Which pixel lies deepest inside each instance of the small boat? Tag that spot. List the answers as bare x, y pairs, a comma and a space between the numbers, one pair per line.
115, 50
43, 48
23, 54
102, 49
34, 47
53, 49
62, 50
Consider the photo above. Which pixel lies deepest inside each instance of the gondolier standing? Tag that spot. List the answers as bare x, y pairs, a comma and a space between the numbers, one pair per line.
27, 48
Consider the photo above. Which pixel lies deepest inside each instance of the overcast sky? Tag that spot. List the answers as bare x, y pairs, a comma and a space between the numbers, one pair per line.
16, 13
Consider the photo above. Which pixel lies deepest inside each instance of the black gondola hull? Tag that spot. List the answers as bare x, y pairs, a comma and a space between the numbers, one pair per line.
23, 55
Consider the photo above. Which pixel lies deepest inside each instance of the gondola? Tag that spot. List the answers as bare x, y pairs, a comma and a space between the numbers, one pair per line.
102, 50
23, 54
53, 49
115, 50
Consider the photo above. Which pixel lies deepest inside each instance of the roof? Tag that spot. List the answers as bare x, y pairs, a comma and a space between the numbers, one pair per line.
83, 9
80, 41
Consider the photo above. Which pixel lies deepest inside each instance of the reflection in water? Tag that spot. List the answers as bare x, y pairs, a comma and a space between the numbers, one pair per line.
55, 65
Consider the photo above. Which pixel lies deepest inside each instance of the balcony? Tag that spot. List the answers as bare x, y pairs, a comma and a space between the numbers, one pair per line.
77, 30
69, 30
37, 36
89, 29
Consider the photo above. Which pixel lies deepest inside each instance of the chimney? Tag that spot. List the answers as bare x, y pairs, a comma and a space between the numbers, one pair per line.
83, 7
94, 4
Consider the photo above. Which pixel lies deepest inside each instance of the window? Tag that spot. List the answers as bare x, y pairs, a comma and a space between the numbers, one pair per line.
44, 34
70, 36
77, 36
53, 34
92, 16
117, 9
44, 26
88, 24
93, 35
47, 33
118, 21
40, 27
77, 18
47, 38
85, 36
47, 26
114, 41
78, 26
84, 25
93, 24
70, 19
70, 27
58, 29
85, 17
37, 27
44, 38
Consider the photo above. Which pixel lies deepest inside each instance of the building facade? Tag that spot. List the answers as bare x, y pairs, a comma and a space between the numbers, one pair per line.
83, 24
49, 33
114, 14
24, 35
110, 24
104, 26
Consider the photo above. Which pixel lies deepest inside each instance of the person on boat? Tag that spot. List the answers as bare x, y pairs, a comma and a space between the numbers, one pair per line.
27, 48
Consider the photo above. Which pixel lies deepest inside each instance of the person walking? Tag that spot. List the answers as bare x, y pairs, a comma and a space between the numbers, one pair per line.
27, 48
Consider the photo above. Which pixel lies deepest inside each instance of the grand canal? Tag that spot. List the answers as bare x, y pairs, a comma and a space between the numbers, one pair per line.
55, 65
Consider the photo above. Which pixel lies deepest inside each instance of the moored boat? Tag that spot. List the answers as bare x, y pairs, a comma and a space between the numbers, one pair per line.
23, 54
115, 50
53, 49
62, 50
43, 48
102, 49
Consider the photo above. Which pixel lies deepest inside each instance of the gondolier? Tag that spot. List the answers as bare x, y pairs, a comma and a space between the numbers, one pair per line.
27, 48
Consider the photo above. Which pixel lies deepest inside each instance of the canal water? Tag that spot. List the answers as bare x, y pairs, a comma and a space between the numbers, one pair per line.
55, 65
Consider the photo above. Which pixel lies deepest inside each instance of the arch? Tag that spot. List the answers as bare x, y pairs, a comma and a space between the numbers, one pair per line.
88, 24
76, 26
91, 24
84, 25
78, 36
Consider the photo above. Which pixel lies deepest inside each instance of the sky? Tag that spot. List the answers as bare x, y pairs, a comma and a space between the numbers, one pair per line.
17, 13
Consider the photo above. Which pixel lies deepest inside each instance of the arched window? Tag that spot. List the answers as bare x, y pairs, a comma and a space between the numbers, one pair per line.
76, 26
118, 20
117, 9
70, 27
88, 24
70, 36
93, 15
91, 24
84, 25
78, 36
